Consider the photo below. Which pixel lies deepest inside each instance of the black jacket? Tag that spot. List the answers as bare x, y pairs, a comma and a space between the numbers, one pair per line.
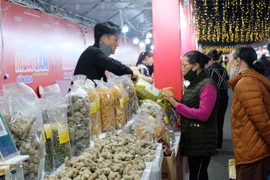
198, 138
93, 63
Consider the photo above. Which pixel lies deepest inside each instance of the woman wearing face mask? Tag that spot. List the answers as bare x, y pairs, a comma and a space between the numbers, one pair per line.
198, 115
250, 114
220, 75
145, 59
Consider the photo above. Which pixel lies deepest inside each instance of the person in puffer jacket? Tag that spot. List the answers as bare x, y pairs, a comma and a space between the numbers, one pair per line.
250, 114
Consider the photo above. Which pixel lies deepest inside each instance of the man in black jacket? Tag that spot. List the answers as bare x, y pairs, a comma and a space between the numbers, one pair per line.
95, 60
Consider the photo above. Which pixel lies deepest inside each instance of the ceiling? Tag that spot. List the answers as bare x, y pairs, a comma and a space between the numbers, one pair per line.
218, 22
136, 14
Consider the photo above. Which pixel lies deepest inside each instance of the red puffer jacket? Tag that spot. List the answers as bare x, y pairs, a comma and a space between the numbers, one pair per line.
250, 116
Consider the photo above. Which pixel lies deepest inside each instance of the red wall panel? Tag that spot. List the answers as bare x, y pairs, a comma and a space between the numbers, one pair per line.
40, 48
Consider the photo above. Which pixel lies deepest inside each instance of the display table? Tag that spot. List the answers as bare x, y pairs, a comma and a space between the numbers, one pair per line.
171, 169
7, 165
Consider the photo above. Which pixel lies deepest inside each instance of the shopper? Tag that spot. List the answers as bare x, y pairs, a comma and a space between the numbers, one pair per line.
220, 75
266, 62
198, 115
250, 114
95, 60
144, 61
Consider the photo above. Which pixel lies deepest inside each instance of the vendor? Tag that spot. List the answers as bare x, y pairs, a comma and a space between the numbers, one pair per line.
144, 61
95, 60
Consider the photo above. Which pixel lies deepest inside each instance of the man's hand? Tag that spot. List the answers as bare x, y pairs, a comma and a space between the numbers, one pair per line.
134, 78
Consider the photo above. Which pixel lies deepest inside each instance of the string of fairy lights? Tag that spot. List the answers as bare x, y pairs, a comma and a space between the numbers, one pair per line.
232, 21
224, 49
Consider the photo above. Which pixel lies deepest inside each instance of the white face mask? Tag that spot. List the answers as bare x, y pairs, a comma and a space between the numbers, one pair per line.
233, 71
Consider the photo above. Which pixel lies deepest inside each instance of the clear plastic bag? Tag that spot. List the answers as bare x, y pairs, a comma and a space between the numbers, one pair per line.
51, 92
106, 106
26, 127
94, 108
150, 127
49, 167
131, 99
79, 122
60, 139
120, 104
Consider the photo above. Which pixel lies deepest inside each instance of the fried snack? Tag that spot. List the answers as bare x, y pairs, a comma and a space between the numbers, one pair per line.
106, 109
118, 93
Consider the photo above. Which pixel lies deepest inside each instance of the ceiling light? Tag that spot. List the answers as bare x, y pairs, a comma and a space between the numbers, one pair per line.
136, 40
125, 29
149, 35
147, 41
142, 44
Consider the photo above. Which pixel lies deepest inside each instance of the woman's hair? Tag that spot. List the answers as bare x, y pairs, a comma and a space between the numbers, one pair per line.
214, 54
249, 55
143, 55
197, 57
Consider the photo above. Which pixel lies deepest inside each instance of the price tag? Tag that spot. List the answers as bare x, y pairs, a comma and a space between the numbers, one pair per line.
122, 103
126, 98
93, 108
63, 134
47, 128
151, 118
166, 120
98, 103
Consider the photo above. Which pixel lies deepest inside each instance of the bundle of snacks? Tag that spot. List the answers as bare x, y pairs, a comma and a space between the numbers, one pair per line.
94, 108
119, 94
50, 93
146, 90
153, 109
115, 157
60, 139
106, 106
149, 127
47, 133
25, 125
79, 122
132, 100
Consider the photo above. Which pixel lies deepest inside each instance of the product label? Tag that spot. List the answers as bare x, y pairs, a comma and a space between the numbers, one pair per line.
63, 135
98, 103
166, 120
126, 98
151, 118
122, 103
93, 108
47, 128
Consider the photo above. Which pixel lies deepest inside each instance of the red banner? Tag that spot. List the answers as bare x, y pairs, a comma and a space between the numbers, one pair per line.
40, 48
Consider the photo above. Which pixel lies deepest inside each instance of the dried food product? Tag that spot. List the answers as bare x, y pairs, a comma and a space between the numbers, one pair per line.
94, 108
118, 93
79, 122
60, 139
47, 132
131, 99
146, 90
149, 127
106, 107
25, 125
113, 157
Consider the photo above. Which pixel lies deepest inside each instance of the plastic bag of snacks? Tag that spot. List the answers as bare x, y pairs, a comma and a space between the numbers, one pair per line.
149, 126
47, 133
106, 106
119, 94
146, 90
51, 92
25, 124
132, 99
79, 122
60, 139
94, 107
153, 109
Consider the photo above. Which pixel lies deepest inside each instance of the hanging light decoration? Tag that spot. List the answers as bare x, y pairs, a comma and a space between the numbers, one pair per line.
232, 21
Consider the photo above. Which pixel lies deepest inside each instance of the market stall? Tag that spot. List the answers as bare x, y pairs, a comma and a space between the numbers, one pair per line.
102, 132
